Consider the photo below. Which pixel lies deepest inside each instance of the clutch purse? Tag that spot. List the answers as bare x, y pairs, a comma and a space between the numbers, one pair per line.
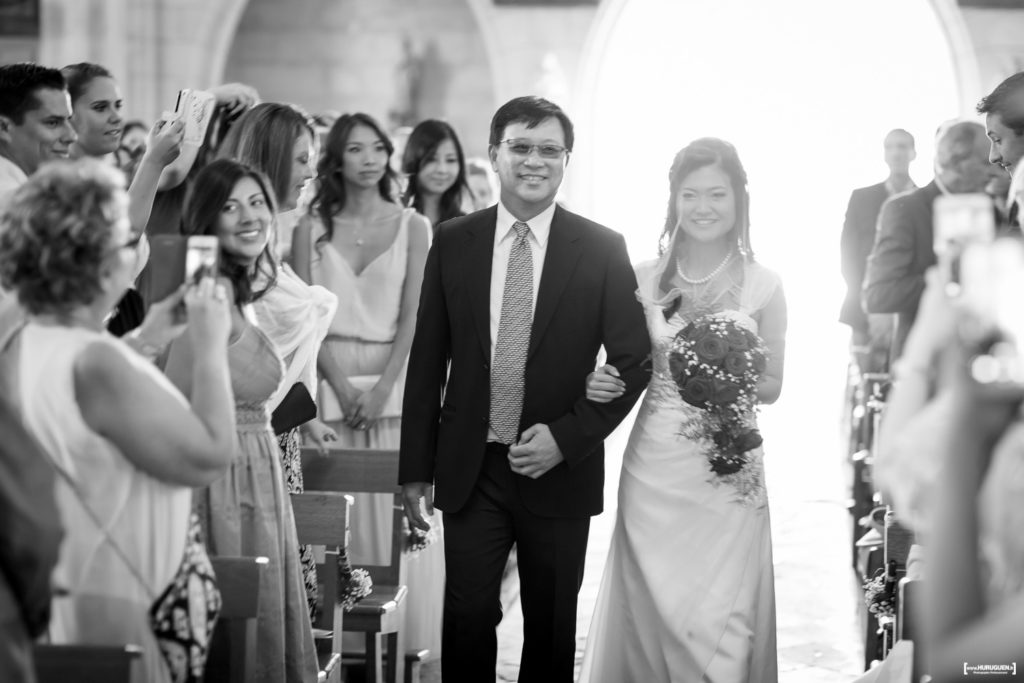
296, 408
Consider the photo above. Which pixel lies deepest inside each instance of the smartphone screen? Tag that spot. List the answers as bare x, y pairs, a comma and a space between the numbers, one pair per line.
201, 256
992, 282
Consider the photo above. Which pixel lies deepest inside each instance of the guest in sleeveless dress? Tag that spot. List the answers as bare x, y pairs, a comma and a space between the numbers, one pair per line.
361, 245
248, 512
277, 139
688, 589
436, 170
125, 444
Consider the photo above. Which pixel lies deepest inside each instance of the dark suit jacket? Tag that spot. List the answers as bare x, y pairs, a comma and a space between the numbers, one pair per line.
586, 299
903, 251
855, 245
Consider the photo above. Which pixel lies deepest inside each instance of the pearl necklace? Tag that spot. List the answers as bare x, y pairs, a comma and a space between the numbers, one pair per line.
710, 276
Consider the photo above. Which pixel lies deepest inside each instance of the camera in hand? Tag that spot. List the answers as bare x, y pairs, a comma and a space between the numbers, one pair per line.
176, 259
992, 279
960, 220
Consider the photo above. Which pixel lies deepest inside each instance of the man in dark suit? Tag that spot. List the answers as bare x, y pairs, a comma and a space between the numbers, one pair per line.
858, 236
516, 302
904, 247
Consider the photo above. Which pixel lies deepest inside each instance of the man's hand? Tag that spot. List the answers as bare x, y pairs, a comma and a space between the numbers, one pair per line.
412, 493
604, 384
536, 453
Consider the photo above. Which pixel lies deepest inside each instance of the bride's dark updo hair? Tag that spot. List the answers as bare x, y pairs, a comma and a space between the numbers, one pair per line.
698, 154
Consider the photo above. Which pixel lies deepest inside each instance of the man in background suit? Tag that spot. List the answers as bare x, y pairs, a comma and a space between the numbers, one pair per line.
517, 300
904, 247
858, 236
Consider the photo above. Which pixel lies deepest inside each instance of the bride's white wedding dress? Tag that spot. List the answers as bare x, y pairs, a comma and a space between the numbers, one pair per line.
688, 589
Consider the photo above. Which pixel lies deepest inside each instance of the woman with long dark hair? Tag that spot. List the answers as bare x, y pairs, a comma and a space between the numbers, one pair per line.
436, 169
248, 512
359, 243
684, 492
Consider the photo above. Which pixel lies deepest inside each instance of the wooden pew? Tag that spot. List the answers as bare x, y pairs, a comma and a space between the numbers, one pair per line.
380, 614
321, 519
233, 645
87, 663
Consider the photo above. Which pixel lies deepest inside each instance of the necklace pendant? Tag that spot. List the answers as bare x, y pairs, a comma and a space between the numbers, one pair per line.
359, 241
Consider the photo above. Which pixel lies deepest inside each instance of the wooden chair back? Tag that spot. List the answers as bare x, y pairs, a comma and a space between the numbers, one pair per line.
353, 470
86, 663
233, 644
321, 519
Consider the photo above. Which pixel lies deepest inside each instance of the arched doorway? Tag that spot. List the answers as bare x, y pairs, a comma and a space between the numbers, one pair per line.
806, 91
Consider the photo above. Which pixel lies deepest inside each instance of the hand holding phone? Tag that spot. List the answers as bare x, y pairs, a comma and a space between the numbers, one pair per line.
992, 279
165, 138
201, 258
960, 220
209, 314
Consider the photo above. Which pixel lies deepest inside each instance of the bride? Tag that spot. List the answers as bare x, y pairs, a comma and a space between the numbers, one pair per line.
688, 588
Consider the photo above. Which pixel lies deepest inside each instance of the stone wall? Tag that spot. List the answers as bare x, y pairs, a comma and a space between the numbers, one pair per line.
399, 60
358, 54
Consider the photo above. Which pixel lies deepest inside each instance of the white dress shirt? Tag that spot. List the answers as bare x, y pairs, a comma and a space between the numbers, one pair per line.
504, 236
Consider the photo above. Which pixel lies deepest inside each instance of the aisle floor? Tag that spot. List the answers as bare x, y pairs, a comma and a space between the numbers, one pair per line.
816, 594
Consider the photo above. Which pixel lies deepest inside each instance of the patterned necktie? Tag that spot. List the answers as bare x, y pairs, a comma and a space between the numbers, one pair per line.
513, 339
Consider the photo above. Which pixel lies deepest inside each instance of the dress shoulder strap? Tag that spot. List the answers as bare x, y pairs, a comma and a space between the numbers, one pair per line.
759, 286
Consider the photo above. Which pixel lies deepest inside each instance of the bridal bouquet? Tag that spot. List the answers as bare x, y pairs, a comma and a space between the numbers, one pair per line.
716, 364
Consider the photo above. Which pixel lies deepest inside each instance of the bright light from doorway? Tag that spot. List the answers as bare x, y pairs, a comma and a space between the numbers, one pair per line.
806, 90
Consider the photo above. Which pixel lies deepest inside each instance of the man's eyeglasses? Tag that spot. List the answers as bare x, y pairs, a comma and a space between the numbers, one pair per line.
522, 148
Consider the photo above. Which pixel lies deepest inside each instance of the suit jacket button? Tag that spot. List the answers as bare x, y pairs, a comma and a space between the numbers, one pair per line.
487, 366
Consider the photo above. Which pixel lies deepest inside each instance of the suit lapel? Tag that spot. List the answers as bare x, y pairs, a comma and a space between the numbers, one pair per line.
479, 252
563, 253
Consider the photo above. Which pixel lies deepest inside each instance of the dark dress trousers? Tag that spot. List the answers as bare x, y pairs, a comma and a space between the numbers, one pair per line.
856, 242
586, 299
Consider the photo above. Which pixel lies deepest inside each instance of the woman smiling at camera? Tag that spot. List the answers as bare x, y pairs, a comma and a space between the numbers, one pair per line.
248, 512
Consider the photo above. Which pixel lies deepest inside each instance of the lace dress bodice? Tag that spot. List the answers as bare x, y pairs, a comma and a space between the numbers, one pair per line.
742, 302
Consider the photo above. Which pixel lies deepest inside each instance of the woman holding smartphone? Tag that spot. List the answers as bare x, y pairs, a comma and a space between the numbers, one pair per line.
96, 105
248, 512
126, 446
